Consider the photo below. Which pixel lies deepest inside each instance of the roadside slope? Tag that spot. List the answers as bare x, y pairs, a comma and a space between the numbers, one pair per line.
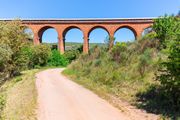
20, 97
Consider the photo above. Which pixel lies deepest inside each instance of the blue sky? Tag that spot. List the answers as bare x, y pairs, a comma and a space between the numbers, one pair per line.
87, 9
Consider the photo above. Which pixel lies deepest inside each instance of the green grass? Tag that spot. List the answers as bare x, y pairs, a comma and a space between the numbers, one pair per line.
18, 97
121, 78
99, 70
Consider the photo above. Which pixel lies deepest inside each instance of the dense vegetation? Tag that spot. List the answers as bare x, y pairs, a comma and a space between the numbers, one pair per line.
145, 72
17, 52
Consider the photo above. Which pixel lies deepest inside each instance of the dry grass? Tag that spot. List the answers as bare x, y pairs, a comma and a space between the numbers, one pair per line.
21, 97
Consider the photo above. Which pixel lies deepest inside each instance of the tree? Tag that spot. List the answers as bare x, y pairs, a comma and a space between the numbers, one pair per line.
168, 31
12, 39
166, 28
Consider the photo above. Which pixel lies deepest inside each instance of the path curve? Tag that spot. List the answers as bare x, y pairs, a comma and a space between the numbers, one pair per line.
61, 99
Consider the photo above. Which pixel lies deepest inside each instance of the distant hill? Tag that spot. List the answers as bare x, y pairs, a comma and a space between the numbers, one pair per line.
70, 45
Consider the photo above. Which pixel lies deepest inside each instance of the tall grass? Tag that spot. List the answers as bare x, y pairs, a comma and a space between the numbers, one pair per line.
18, 97
124, 71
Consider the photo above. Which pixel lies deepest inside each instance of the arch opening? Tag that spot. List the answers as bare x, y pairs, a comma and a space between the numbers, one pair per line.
98, 36
124, 34
147, 30
49, 36
73, 39
29, 32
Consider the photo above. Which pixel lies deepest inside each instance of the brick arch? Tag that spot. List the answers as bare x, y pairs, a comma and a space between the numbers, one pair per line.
99, 26
42, 30
128, 27
69, 28
137, 25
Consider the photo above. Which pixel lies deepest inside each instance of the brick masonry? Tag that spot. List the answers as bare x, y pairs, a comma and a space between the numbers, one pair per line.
86, 26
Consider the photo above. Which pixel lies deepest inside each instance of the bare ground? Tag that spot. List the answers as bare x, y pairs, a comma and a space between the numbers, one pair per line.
61, 99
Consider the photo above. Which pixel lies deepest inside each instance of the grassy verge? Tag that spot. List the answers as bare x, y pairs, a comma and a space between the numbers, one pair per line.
127, 73
114, 94
18, 97
101, 90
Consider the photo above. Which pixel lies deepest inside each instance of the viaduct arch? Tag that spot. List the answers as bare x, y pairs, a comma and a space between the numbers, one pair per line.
137, 25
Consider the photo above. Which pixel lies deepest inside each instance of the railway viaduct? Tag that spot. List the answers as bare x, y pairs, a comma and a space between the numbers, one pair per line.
62, 26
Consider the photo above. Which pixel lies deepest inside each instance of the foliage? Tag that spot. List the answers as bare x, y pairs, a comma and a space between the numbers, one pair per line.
155, 100
166, 28
12, 39
35, 56
41, 55
56, 59
5, 56
17, 52
119, 52
144, 61
116, 69
73, 53
168, 31
28, 51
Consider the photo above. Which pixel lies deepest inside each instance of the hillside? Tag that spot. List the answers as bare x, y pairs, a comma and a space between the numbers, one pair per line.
127, 72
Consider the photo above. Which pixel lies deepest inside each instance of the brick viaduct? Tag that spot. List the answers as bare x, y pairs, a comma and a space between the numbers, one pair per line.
62, 26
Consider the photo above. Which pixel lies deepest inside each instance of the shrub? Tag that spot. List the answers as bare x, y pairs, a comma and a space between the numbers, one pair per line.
41, 55
144, 61
27, 51
119, 52
56, 59
71, 55
25, 56
168, 31
12, 39
95, 52
166, 28
5, 56
33, 56
170, 74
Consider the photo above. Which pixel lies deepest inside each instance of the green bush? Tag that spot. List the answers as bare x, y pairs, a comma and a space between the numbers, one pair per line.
119, 52
144, 61
56, 59
71, 55
12, 39
23, 59
27, 51
5, 56
40, 55
166, 29
170, 73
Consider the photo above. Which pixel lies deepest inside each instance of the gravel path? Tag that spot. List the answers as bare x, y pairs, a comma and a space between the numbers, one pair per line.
61, 99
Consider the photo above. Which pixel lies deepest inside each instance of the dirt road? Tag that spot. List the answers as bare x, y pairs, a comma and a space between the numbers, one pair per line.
61, 99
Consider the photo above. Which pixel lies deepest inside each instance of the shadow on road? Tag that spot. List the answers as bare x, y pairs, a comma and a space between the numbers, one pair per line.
156, 101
